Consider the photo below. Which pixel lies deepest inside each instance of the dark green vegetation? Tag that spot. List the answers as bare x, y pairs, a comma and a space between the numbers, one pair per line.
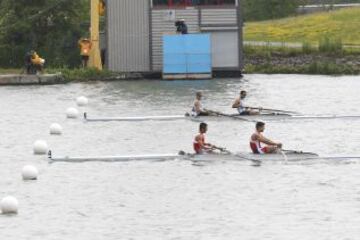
315, 68
329, 1
258, 10
51, 27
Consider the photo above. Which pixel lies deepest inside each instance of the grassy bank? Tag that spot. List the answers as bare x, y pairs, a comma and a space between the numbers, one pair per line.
81, 74
76, 74
10, 71
315, 68
329, 58
327, 49
322, 38
340, 24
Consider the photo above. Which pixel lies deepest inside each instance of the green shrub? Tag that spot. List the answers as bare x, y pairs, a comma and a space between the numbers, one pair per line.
315, 68
307, 48
328, 45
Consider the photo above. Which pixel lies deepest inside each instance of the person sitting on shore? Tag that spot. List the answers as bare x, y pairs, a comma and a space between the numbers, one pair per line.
34, 63
29, 68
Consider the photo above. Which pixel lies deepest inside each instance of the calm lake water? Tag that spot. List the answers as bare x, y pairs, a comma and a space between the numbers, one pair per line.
175, 199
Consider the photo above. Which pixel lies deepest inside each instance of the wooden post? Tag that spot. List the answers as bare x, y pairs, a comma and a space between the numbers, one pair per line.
95, 59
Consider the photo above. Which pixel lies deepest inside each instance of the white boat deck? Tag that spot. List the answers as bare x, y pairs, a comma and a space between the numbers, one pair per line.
254, 118
291, 156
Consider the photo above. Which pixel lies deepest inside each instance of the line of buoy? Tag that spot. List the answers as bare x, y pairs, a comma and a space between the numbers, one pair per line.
9, 204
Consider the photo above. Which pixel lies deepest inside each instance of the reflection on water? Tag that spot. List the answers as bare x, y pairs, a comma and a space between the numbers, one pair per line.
174, 199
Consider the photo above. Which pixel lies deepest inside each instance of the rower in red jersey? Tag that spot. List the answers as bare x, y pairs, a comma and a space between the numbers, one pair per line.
257, 138
200, 145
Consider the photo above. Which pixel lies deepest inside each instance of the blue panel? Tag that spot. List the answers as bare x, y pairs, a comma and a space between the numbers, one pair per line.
173, 44
189, 53
174, 57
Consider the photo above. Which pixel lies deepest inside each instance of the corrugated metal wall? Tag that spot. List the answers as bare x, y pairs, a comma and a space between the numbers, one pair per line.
224, 46
218, 17
128, 38
161, 26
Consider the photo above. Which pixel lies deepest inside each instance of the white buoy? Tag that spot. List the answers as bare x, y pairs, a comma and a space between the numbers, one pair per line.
9, 205
29, 173
72, 113
40, 147
82, 101
55, 129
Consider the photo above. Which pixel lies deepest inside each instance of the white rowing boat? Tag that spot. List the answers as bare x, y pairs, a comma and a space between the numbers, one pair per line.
123, 158
254, 118
184, 117
286, 156
133, 119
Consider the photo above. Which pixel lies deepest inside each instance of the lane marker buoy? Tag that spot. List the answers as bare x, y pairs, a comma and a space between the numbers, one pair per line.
40, 147
29, 173
72, 113
9, 205
55, 129
82, 101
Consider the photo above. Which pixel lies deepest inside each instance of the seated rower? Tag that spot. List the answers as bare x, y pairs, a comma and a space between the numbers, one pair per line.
200, 145
257, 138
240, 105
197, 109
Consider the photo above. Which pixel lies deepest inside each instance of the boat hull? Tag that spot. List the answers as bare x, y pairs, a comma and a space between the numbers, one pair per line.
192, 157
253, 118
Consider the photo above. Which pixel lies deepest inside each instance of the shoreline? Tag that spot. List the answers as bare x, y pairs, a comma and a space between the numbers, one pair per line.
303, 61
306, 64
24, 79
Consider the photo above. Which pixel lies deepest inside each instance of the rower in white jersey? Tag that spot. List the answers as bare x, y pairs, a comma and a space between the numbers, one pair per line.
239, 104
197, 109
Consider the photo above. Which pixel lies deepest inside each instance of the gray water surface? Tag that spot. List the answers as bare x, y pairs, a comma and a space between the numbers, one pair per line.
175, 199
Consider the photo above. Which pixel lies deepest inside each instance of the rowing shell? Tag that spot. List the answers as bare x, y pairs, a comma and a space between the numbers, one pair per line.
182, 117
290, 156
267, 116
123, 158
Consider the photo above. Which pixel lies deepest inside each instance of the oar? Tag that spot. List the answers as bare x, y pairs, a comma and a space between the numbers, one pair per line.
256, 162
297, 152
221, 149
274, 110
229, 115
284, 155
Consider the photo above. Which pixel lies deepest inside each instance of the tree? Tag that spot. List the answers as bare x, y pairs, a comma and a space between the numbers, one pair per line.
51, 27
255, 10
